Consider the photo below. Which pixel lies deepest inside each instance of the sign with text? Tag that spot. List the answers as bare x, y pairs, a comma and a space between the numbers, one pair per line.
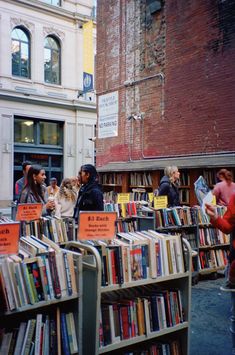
108, 115
9, 238
123, 198
160, 202
96, 225
29, 211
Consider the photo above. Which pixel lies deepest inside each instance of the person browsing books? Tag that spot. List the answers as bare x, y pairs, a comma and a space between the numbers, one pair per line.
65, 199
90, 196
227, 225
224, 189
35, 191
169, 185
22, 181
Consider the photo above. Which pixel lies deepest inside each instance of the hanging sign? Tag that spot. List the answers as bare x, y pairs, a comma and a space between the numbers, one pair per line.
160, 202
9, 238
96, 225
28, 211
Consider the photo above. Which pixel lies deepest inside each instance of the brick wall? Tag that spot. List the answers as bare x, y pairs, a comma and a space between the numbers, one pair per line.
190, 42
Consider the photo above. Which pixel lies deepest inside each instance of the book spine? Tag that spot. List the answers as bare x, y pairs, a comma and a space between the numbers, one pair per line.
64, 335
54, 274
68, 274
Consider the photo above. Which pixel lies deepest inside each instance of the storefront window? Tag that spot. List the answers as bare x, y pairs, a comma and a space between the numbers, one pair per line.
50, 133
24, 131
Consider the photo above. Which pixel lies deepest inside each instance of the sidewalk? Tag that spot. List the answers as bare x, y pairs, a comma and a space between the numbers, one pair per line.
210, 319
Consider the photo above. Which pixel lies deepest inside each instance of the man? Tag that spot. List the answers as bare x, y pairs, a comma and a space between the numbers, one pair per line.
22, 181
52, 189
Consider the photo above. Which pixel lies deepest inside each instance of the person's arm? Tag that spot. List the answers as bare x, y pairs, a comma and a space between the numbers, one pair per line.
164, 189
226, 223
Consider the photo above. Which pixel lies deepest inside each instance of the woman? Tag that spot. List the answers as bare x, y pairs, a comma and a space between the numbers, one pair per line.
90, 196
169, 185
35, 191
65, 199
225, 188
227, 225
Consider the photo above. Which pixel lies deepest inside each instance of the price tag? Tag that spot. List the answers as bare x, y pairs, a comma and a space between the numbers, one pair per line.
29, 211
150, 196
9, 238
96, 225
160, 202
213, 202
123, 198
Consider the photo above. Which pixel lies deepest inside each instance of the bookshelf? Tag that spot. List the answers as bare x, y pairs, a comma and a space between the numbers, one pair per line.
45, 324
100, 299
138, 179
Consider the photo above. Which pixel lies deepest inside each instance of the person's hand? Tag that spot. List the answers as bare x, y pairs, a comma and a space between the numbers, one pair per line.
210, 210
50, 205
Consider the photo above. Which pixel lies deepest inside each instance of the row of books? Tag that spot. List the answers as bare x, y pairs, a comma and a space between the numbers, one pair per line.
184, 178
39, 273
111, 179
141, 179
45, 334
140, 255
128, 318
213, 259
127, 225
123, 209
172, 347
212, 236
59, 230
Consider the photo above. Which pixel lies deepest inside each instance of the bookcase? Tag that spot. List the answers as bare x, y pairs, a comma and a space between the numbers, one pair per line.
98, 301
37, 317
150, 179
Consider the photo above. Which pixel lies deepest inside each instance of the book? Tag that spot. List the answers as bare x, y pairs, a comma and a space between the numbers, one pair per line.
64, 335
28, 337
20, 338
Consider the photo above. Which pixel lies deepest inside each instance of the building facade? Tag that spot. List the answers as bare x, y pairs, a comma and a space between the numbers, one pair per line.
45, 116
170, 66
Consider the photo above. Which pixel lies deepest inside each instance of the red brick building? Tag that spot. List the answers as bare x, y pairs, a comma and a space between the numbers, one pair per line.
172, 64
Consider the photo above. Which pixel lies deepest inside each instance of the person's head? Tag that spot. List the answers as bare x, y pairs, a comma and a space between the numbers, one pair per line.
67, 189
172, 172
35, 181
75, 181
25, 167
87, 174
225, 175
53, 182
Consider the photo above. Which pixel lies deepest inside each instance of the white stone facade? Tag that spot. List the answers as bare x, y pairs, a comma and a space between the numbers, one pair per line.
32, 97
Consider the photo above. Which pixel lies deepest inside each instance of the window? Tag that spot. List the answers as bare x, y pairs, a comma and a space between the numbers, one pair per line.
52, 2
52, 61
24, 131
20, 52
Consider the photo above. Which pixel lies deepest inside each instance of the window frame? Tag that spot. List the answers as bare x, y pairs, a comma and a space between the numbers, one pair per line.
57, 41
27, 34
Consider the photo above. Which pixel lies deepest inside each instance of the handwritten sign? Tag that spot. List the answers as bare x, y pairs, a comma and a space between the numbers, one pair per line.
28, 211
160, 202
123, 198
9, 238
96, 225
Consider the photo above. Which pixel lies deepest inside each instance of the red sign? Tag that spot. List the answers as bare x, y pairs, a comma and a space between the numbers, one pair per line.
96, 225
9, 238
29, 211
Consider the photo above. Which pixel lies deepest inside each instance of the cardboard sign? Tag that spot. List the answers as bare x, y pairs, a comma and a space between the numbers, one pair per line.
9, 238
29, 211
96, 225
160, 202
123, 198
150, 196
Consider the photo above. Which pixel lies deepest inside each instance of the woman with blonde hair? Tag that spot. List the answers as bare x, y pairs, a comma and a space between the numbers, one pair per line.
224, 189
65, 199
169, 185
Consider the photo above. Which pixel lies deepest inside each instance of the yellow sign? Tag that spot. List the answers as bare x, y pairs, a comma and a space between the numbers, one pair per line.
213, 202
28, 211
9, 238
160, 202
88, 51
96, 225
123, 198
150, 196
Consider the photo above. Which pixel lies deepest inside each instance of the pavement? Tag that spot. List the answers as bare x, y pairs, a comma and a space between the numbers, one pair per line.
210, 319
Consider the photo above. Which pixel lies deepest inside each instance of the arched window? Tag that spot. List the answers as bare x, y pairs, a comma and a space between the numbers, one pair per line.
52, 60
20, 52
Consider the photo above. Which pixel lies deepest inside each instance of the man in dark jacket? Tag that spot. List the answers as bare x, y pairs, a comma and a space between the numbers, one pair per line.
169, 186
90, 196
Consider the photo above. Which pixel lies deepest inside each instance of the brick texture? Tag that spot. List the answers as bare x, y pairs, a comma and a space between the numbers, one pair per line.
191, 43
